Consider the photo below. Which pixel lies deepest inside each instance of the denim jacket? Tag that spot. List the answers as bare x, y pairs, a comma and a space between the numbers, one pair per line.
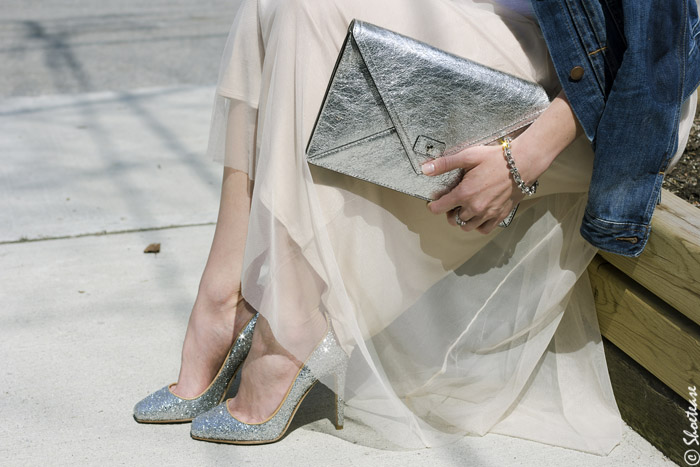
626, 67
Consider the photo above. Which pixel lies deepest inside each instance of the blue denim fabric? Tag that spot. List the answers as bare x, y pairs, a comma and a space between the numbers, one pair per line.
640, 61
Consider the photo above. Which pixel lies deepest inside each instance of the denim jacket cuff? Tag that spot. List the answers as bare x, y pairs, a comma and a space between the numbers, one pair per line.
622, 238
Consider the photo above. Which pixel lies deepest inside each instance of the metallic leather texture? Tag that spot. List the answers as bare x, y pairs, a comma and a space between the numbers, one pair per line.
163, 406
219, 425
394, 103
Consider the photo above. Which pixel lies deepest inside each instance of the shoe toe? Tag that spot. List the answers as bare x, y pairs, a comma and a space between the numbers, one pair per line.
155, 407
215, 424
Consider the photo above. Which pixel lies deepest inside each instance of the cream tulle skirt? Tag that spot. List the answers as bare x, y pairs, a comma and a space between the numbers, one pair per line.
450, 333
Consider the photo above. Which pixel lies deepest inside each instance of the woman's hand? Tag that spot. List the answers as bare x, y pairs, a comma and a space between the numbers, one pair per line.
487, 192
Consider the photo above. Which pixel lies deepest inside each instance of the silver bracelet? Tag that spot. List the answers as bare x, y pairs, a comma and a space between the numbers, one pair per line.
528, 190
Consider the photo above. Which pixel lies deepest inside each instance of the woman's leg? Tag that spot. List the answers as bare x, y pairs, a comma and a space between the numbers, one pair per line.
271, 367
219, 311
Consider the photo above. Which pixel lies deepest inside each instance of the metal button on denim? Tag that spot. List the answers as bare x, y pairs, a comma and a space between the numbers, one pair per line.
576, 73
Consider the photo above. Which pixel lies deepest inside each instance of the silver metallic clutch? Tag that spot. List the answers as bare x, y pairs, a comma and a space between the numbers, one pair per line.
394, 103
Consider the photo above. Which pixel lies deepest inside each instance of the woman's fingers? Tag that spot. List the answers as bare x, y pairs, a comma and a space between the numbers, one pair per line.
470, 223
447, 202
479, 223
467, 221
488, 226
445, 164
470, 194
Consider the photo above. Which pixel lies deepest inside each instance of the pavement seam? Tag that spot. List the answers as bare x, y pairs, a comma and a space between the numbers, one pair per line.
104, 233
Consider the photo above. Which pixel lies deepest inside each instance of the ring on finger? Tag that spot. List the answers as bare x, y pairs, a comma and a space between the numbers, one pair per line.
458, 219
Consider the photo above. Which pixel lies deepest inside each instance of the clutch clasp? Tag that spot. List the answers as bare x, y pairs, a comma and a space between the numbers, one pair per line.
427, 146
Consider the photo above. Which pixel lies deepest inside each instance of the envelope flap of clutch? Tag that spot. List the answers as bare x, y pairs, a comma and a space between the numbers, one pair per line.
432, 95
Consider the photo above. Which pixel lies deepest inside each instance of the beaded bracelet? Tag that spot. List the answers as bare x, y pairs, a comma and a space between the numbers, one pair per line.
528, 190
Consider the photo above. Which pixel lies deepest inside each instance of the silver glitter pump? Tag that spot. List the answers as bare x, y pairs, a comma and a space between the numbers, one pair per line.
219, 425
163, 406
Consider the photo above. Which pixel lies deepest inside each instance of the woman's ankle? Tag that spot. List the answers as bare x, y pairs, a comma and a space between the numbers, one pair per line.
244, 313
265, 343
224, 304
215, 323
215, 296
297, 341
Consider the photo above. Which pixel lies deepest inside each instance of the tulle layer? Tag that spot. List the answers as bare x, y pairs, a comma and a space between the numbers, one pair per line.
450, 333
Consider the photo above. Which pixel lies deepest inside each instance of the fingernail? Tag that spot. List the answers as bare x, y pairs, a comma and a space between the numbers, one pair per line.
428, 168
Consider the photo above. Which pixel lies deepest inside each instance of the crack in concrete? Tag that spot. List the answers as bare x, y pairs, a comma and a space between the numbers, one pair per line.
103, 233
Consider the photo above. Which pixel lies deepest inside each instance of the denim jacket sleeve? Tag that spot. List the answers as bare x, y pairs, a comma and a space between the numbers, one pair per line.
626, 66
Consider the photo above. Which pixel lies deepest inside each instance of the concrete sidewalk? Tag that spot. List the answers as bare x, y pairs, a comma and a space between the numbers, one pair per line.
89, 324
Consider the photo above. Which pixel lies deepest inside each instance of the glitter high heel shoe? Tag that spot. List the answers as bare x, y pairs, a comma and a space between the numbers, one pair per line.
219, 425
163, 406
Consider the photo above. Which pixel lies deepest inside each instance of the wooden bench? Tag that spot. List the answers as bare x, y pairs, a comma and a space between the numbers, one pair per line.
649, 314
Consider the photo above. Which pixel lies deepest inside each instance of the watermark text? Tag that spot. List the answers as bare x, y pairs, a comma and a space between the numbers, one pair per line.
690, 437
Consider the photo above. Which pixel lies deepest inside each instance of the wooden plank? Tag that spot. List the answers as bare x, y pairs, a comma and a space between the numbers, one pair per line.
647, 405
670, 264
647, 329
